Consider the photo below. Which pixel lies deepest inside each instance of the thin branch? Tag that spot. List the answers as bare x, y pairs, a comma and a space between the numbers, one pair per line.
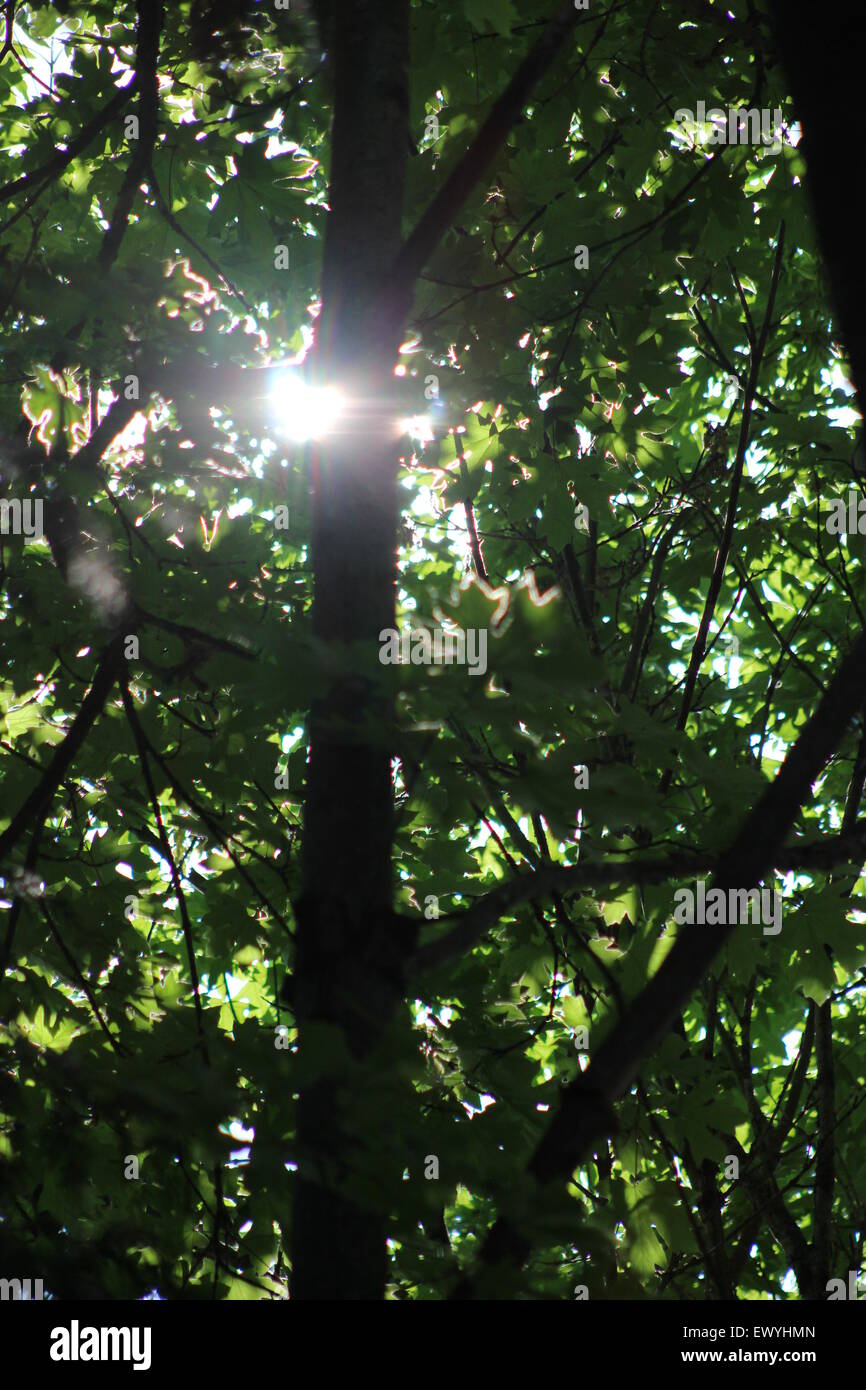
469, 513
207, 639
581, 600
167, 214
147, 83
585, 1113
18, 903
470, 925
721, 561
780, 1128
215, 829
628, 685
37, 803
42, 177
505, 113
825, 1167
113, 423
766, 1198
750, 326
9, 21
13, 289
80, 979
142, 747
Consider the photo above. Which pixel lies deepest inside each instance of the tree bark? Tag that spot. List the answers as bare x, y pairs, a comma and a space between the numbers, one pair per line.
826, 77
343, 990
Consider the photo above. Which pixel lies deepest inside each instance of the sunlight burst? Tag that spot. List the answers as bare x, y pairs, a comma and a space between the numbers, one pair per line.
419, 428
304, 411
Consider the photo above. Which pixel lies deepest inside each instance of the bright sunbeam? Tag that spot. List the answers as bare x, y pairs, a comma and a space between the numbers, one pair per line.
419, 428
304, 411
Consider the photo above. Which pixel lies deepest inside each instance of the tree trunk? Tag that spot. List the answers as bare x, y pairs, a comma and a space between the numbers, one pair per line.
344, 993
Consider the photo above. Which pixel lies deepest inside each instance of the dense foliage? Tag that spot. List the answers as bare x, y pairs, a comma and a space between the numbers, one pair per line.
585, 434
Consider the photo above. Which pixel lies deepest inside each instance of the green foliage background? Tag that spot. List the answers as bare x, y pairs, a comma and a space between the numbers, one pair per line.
568, 387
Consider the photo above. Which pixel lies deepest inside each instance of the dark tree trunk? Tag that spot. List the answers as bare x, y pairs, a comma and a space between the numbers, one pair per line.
344, 993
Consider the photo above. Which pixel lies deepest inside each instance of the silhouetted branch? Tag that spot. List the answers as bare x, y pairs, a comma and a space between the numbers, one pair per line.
37, 803
147, 84
585, 1114
505, 113
468, 927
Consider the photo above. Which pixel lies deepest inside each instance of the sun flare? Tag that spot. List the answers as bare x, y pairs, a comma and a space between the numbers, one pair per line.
304, 411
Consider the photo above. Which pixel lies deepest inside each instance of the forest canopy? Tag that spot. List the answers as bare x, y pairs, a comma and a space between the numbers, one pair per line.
431, 653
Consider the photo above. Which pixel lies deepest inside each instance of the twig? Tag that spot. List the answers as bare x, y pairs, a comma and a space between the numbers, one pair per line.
37, 803
147, 83
721, 560
47, 173
468, 926
9, 20
168, 215
585, 1112
505, 113
81, 981
142, 747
